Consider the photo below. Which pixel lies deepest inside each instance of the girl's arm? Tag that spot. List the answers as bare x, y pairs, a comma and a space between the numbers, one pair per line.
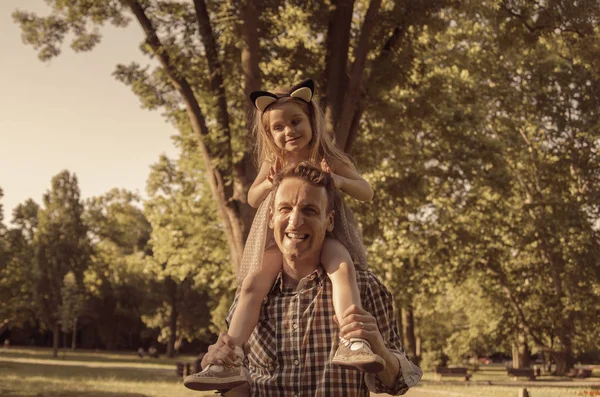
261, 186
350, 182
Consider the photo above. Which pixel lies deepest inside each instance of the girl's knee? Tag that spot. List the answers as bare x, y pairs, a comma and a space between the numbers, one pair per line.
334, 251
251, 284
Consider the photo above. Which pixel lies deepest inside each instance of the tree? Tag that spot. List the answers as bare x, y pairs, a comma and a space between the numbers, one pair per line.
16, 253
73, 301
204, 50
187, 252
480, 121
115, 282
61, 246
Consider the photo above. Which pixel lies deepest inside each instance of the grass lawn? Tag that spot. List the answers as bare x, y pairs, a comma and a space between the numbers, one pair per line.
33, 372
503, 386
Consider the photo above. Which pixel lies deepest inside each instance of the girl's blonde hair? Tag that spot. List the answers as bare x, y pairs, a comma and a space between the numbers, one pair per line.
322, 145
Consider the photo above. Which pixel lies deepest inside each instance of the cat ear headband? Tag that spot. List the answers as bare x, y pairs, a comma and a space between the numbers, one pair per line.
304, 91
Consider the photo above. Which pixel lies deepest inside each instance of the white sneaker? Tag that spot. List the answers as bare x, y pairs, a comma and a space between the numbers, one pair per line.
219, 377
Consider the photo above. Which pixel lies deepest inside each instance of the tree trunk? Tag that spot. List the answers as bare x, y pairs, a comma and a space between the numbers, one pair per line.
172, 288
250, 51
520, 351
399, 322
74, 339
336, 60
351, 96
65, 343
55, 340
408, 323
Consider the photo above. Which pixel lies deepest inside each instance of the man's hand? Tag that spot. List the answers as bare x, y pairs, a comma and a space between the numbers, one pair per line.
222, 352
358, 323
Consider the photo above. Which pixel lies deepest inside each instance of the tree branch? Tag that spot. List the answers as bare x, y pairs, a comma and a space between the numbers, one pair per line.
352, 95
216, 82
216, 172
513, 301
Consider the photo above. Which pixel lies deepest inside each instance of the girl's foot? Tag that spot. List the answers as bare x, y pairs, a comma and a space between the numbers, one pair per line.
219, 377
357, 354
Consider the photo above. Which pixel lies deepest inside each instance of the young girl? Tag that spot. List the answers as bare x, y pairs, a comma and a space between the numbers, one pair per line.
291, 128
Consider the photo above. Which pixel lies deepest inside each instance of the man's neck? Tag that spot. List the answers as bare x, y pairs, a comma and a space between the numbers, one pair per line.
294, 271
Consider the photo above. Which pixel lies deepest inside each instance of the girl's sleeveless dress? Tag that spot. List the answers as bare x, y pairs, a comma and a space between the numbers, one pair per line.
346, 230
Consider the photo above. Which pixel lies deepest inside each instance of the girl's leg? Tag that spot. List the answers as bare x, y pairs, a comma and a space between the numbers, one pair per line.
355, 353
339, 267
253, 291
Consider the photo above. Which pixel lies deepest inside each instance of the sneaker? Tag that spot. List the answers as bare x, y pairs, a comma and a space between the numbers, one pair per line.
357, 354
217, 377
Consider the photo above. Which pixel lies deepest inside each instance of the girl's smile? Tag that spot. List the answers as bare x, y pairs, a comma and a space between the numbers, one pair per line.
290, 127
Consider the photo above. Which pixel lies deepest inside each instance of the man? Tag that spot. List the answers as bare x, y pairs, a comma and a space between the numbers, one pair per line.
292, 346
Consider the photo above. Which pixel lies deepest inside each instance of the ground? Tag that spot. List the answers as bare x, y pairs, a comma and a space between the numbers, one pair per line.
33, 372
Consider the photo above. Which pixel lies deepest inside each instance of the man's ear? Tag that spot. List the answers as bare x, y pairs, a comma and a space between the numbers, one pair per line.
331, 221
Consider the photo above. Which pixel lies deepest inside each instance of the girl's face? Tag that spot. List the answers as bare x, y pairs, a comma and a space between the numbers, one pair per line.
290, 128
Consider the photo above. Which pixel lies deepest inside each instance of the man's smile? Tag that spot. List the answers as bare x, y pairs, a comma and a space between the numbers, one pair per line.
296, 236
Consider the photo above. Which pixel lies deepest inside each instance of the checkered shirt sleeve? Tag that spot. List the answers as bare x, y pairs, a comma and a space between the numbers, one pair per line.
377, 300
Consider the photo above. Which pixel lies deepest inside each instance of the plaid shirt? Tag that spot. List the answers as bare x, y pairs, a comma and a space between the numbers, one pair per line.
296, 338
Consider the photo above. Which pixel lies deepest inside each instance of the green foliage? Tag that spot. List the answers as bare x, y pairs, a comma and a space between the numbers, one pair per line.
16, 252
61, 246
491, 167
188, 250
481, 123
73, 300
115, 281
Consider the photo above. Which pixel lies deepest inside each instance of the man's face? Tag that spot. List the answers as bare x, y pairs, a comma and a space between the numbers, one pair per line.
300, 219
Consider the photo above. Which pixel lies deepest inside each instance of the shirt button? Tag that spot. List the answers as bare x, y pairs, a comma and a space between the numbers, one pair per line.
296, 362
295, 325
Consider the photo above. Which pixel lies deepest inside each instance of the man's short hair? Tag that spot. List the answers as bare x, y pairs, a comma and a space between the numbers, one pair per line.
309, 173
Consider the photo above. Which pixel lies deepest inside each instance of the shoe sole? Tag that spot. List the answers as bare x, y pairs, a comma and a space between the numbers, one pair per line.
214, 384
371, 367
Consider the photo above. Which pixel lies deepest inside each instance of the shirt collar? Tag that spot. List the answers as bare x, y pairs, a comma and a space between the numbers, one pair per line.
312, 280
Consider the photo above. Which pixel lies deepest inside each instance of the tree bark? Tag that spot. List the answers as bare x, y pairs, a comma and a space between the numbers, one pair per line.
55, 340
172, 290
408, 323
336, 60
250, 51
74, 338
351, 96
520, 351
245, 169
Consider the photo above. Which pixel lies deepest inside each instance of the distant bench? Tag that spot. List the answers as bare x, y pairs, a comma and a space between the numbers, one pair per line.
457, 372
580, 373
521, 373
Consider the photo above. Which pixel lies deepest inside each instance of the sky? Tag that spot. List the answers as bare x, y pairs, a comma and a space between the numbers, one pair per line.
72, 114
